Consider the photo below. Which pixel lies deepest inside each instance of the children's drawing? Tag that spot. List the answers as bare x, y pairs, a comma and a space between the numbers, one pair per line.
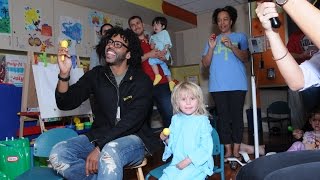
46, 30
70, 29
5, 24
34, 41
95, 19
48, 43
32, 19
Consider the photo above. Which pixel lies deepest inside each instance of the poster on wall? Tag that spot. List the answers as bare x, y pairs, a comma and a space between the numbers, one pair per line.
14, 69
5, 24
32, 19
96, 20
39, 32
70, 30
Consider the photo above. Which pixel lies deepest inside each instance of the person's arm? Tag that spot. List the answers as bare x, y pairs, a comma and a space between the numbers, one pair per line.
153, 54
65, 68
287, 65
70, 97
306, 16
206, 59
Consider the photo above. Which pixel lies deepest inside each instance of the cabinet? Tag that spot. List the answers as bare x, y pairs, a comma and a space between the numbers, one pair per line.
32, 25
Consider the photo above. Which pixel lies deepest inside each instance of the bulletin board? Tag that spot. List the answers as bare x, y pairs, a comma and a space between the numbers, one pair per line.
186, 73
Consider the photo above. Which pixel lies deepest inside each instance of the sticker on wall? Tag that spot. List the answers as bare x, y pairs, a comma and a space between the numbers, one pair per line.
46, 30
48, 43
70, 29
32, 19
34, 40
5, 24
118, 22
106, 19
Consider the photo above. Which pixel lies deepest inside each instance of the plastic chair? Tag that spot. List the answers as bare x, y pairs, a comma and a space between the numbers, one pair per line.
42, 147
218, 150
277, 112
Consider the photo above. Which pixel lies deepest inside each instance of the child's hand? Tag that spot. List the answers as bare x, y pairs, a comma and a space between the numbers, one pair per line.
297, 133
163, 137
184, 163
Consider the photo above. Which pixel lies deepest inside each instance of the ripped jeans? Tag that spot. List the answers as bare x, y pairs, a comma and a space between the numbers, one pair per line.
68, 158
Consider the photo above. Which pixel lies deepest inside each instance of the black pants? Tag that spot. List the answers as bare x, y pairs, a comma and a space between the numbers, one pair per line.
229, 106
282, 166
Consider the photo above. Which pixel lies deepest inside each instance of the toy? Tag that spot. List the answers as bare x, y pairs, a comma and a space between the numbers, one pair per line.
166, 131
223, 39
290, 128
213, 37
63, 44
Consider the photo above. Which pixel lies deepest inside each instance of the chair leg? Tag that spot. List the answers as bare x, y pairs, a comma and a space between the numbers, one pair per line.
139, 174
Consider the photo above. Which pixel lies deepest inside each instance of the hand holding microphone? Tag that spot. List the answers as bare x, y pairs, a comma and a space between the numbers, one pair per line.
275, 21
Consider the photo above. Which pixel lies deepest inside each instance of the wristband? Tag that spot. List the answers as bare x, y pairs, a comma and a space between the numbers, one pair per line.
63, 79
281, 57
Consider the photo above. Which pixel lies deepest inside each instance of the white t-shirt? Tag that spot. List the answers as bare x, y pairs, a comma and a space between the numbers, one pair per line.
311, 71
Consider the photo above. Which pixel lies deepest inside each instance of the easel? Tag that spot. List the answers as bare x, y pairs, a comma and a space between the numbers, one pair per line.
30, 99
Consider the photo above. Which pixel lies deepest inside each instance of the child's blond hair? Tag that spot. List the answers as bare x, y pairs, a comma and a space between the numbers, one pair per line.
193, 89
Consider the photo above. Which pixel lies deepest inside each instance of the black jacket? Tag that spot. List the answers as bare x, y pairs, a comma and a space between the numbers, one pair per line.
134, 97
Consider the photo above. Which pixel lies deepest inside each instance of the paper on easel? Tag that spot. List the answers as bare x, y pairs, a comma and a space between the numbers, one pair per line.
46, 79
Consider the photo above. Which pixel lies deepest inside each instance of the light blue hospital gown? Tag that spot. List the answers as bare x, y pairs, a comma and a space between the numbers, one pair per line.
190, 136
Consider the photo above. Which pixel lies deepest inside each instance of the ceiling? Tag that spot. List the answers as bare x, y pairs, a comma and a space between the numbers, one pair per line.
204, 6
125, 9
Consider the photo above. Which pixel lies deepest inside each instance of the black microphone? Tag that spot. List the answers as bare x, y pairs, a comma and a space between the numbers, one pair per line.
275, 22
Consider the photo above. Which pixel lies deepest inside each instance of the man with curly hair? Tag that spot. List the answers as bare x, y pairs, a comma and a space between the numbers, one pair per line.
120, 135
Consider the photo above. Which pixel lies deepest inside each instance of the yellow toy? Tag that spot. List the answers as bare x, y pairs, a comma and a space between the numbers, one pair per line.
63, 44
166, 131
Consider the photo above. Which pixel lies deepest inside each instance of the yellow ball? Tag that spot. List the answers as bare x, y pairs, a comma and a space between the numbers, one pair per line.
166, 131
64, 43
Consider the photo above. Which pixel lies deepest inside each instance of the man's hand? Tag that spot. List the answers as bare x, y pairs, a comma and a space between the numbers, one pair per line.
92, 161
184, 163
65, 64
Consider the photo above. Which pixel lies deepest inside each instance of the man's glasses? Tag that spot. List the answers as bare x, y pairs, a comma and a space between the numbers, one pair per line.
116, 44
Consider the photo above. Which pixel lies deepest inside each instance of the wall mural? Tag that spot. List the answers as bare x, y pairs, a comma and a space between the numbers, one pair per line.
5, 24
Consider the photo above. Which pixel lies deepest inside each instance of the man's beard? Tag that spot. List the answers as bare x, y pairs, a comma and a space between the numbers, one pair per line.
118, 59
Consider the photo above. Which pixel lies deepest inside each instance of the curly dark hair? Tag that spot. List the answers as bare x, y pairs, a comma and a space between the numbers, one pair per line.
230, 10
129, 37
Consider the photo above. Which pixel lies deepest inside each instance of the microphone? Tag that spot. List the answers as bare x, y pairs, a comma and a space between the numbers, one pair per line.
275, 22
